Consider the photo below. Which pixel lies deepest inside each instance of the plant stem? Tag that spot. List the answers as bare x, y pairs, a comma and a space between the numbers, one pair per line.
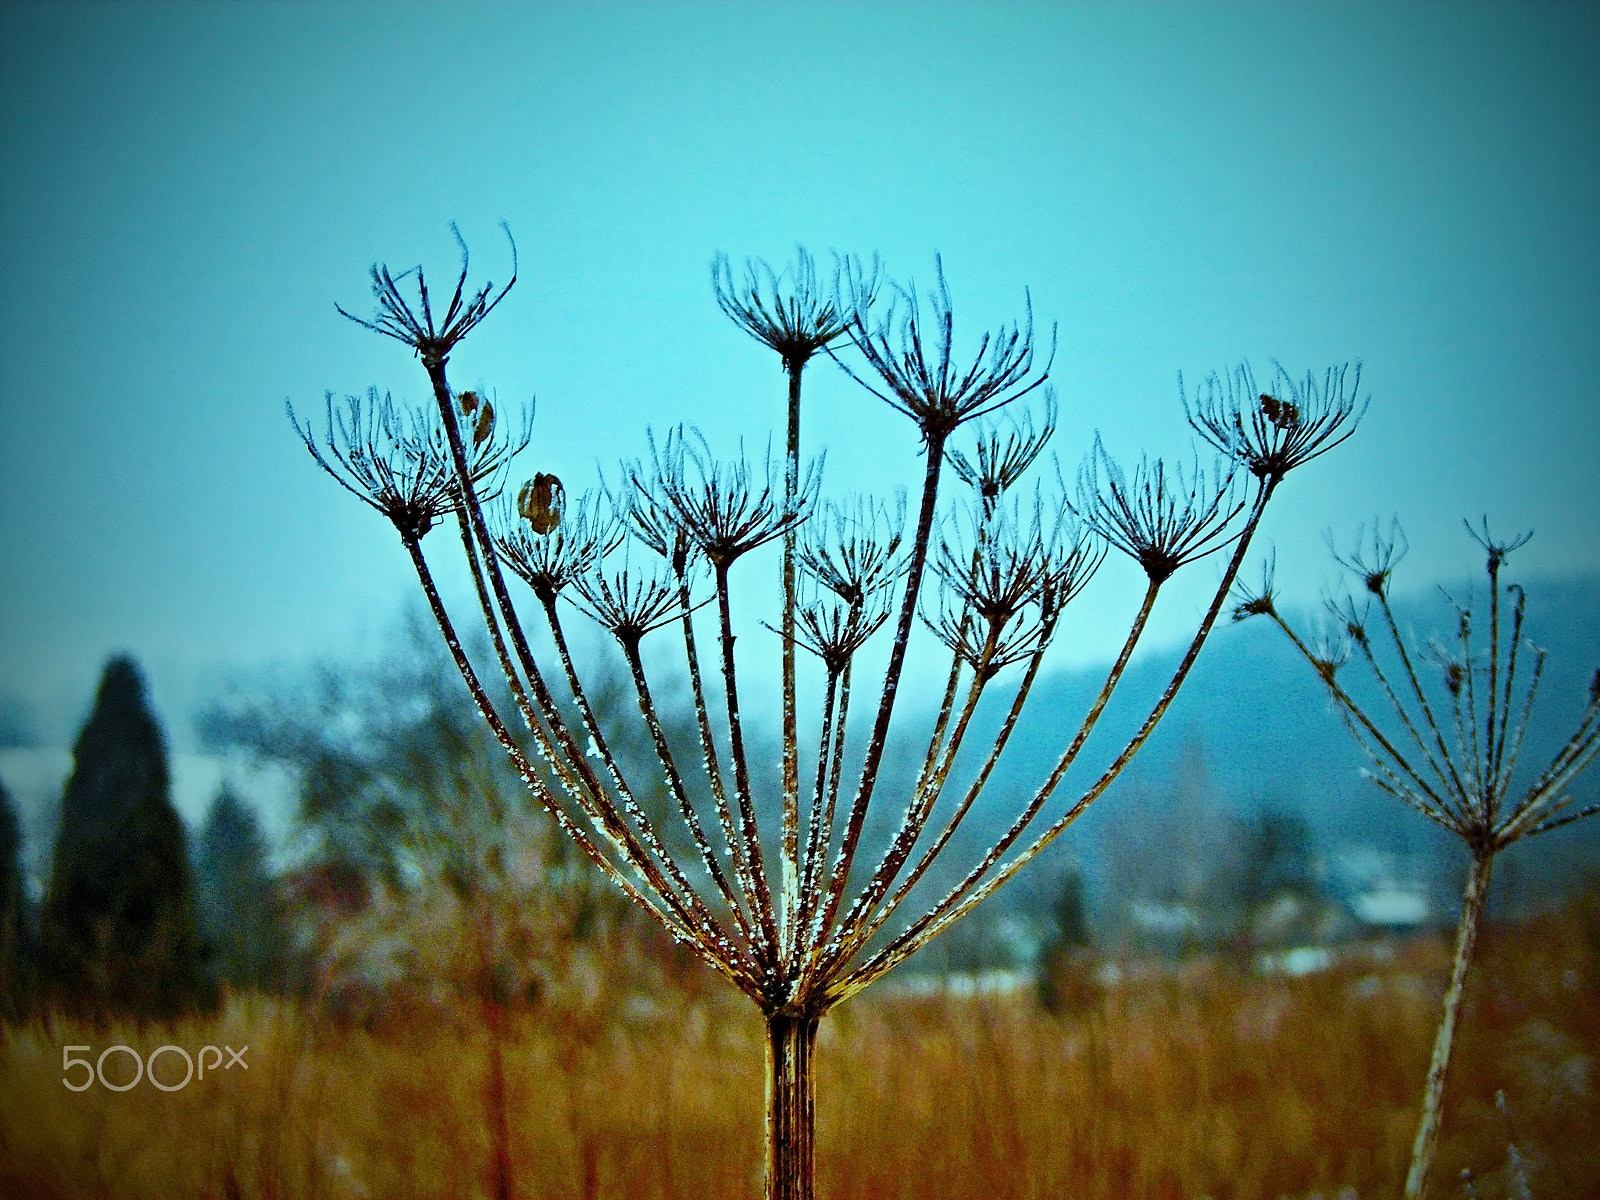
1472, 906
791, 1106
789, 887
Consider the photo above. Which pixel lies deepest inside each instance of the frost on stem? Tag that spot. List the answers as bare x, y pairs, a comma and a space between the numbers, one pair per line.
805, 912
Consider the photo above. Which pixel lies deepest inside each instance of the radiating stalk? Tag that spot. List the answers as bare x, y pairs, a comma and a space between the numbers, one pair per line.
745, 813
675, 784
789, 886
918, 560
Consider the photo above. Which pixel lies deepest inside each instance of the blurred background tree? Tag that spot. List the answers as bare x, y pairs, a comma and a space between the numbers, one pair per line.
118, 930
14, 925
1277, 900
1066, 968
240, 907
420, 871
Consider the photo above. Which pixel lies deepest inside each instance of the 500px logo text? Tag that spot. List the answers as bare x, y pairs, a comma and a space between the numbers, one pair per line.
144, 1066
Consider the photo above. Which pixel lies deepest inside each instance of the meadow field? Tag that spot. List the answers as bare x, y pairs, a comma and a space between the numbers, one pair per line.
1177, 1080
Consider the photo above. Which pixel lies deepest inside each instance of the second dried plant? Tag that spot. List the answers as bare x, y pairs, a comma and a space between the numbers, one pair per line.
1442, 728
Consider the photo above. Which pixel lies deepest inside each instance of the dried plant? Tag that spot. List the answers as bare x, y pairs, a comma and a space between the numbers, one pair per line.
779, 893
1449, 751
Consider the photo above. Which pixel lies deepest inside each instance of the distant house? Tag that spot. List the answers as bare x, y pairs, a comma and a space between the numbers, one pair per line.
1393, 909
1385, 894
1160, 920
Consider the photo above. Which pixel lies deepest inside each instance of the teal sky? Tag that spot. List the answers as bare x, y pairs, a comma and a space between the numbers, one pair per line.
187, 189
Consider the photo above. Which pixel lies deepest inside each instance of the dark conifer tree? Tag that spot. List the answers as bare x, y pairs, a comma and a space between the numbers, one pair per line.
239, 905
118, 932
14, 956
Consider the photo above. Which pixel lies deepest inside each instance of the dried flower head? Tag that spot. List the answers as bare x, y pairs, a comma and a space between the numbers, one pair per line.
853, 550
1257, 601
629, 602
1329, 652
1005, 579
397, 461
996, 562
1353, 620
833, 628
1497, 551
984, 649
650, 517
918, 371
1006, 448
1271, 433
416, 326
722, 506
790, 311
1374, 559
551, 558
1452, 669
1162, 518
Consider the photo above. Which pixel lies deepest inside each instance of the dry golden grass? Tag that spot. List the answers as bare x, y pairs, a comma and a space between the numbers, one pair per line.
1185, 1085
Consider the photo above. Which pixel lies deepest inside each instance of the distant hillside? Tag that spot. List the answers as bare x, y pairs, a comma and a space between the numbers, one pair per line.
1252, 726
1262, 726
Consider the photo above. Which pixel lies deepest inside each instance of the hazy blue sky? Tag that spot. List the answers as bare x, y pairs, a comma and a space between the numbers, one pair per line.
186, 190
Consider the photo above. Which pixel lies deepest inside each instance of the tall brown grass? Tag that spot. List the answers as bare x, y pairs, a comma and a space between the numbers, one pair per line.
1184, 1082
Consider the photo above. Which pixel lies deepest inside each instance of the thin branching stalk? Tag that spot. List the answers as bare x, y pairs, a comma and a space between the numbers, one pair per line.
680, 792
749, 835
1473, 900
1463, 781
514, 751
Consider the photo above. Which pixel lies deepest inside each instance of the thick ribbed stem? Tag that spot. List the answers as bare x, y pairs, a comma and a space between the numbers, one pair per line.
791, 1106
1472, 906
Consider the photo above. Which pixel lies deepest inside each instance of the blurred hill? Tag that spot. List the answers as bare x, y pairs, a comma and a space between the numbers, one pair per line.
1254, 728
